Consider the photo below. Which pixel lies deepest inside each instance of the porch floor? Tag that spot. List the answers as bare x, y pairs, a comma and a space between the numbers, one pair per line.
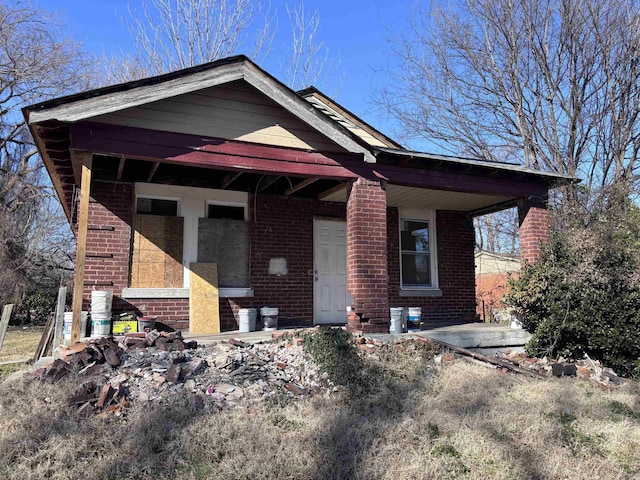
485, 336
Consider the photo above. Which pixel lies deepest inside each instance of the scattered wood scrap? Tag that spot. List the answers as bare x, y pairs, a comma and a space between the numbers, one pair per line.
4, 322
491, 361
46, 341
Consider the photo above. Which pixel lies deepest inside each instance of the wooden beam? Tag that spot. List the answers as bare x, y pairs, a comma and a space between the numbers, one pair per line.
229, 179
81, 249
87, 135
267, 182
58, 336
332, 190
154, 169
121, 167
301, 185
4, 322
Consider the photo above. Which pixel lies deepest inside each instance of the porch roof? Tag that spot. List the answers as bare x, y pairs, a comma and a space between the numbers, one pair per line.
66, 127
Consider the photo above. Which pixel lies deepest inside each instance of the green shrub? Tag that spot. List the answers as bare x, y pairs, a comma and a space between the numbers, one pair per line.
335, 353
583, 295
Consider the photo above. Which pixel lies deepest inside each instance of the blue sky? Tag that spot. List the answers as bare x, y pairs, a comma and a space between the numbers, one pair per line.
354, 30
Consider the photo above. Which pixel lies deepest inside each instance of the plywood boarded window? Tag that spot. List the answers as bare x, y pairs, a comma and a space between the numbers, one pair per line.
157, 251
225, 242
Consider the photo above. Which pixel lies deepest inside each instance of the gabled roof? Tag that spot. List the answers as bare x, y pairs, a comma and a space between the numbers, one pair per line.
101, 101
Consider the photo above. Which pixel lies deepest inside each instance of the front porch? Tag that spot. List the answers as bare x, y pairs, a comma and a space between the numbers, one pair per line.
216, 188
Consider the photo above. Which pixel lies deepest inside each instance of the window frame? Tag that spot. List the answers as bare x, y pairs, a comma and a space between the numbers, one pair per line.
428, 217
158, 197
192, 204
222, 203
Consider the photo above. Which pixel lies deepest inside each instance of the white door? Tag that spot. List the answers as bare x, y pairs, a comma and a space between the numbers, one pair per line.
330, 271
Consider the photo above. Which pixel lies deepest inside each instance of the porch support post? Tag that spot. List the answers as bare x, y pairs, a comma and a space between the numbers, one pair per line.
81, 248
533, 218
367, 276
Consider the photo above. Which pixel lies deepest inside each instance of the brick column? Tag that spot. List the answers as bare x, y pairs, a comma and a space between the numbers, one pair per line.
367, 276
533, 218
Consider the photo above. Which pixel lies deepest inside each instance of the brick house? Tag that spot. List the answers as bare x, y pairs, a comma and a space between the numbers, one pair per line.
220, 179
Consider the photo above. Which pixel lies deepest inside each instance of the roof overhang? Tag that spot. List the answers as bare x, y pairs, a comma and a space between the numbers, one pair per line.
408, 158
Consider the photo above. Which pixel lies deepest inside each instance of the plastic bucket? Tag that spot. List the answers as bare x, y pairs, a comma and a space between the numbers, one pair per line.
415, 317
247, 319
100, 324
269, 317
395, 324
101, 301
146, 324
68, 323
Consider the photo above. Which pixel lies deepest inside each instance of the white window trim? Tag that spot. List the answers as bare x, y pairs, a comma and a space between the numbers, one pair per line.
428, 216
182, 293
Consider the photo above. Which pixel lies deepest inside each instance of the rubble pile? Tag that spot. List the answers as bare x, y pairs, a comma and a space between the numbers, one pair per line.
151, 366
147, 367
586, 368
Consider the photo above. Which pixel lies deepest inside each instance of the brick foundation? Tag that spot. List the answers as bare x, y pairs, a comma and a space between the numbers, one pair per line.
367, 255
533, 217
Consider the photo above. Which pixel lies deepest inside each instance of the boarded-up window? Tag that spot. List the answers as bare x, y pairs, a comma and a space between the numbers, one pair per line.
157, 252
225, 242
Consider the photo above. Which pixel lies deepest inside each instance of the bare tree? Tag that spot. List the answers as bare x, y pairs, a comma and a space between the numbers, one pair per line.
174, 34
498, 232
309, 62
36, 61
550, 84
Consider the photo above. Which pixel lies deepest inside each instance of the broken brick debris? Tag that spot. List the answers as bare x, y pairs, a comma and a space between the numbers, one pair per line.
585, 368
97, 360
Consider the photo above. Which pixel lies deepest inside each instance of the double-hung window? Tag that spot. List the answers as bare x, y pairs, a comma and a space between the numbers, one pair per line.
416, 254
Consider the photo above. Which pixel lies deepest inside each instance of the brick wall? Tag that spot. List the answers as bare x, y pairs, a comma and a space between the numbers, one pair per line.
282, 227
533, 217
456, 271
110, 218
367, 254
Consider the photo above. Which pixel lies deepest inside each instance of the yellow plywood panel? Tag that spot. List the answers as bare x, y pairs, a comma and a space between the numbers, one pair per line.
157, 252
204, 306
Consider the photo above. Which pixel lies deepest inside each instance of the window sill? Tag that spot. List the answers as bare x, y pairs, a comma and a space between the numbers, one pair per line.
431, 292
181, 293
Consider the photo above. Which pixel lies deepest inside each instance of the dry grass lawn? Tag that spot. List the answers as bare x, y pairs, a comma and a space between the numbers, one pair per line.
18, 344
465, 422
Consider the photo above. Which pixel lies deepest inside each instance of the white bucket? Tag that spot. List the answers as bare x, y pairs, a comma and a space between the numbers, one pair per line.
269, 318
68, 323
100, 324
395, 324
415, 316
247, 319
101, 301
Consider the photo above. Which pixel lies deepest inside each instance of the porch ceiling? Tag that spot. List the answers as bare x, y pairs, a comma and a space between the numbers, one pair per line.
411, 197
